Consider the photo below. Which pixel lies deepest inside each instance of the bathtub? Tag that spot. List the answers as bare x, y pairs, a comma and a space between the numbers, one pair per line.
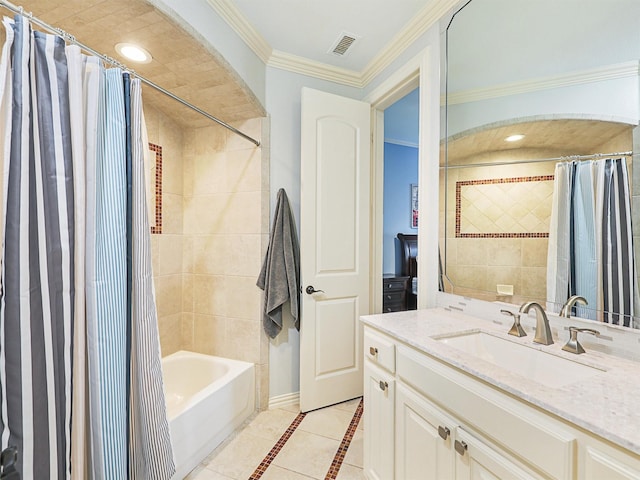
207, 399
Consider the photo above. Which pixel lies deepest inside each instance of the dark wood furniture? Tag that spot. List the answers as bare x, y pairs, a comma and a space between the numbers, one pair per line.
409, 265
394, 293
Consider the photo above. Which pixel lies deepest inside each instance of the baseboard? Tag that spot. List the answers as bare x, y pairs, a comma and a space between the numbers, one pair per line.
285, 400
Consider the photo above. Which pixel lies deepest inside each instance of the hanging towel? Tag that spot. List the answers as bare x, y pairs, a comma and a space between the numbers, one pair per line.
280, 274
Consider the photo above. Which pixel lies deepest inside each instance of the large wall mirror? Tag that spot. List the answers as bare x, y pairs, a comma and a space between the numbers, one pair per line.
547, 214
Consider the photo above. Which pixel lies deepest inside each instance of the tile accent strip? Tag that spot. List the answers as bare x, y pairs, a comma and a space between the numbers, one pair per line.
344, 445
266, 461
493, 181
156, 226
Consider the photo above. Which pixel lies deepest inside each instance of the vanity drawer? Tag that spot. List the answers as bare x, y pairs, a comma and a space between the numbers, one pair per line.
519, 429
380, 350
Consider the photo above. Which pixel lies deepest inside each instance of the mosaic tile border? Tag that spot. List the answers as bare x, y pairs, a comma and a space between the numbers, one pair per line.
266, 461
344, 445
493, 181
338, 459
157, 227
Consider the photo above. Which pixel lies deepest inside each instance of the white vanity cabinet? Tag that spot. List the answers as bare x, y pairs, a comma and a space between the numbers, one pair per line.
431, 445
600, 461
379, 392
424, 438
434, 421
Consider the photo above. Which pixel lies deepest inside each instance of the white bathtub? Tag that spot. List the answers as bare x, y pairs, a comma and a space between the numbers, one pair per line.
207, 398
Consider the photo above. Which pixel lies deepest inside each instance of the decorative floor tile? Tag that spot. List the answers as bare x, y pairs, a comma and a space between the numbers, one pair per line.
275, 472
355, 454
240, 457
343, 450
349, 472
328, 422
308, 454
284, 444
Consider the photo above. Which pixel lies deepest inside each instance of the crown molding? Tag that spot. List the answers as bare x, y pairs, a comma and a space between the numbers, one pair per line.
418, 25
600, 74
237, 21
277, 59
304, 66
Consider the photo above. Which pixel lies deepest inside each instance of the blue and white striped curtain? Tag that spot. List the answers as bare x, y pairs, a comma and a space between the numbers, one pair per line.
591, 241
77, 307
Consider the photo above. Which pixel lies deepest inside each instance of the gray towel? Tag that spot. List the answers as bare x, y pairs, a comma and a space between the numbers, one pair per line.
280, 274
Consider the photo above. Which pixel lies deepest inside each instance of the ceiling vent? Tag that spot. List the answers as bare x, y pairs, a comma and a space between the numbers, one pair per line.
343, 43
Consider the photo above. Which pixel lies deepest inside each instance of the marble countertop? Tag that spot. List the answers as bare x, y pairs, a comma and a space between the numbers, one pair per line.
606, 404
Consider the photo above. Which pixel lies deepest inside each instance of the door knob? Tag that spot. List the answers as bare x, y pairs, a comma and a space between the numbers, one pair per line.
310, 290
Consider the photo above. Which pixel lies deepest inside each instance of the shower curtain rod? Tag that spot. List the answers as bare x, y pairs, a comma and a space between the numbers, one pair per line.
71, 39
543, 160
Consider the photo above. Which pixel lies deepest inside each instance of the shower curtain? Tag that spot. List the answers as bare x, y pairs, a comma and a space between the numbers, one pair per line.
591, 243
81, 392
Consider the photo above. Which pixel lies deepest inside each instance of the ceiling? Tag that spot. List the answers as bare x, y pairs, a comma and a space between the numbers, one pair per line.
565, 136
180, 64
309, 28
299, 30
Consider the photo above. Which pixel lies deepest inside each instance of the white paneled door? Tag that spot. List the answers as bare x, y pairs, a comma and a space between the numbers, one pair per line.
334, 246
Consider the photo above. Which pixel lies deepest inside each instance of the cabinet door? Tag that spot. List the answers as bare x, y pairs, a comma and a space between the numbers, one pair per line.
424, 443
475, 460
379, 397
599, 465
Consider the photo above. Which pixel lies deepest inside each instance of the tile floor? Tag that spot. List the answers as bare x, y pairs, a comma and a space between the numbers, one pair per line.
307, 454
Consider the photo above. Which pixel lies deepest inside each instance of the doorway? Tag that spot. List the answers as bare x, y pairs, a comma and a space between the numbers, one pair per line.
400, 203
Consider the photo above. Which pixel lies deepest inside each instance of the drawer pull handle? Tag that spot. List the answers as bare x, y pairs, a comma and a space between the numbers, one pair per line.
383, 385
461, 447
444, 432
373, 351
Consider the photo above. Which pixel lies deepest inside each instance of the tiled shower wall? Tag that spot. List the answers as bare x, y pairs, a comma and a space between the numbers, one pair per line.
215, 229
226, 224
167, 247
479, 264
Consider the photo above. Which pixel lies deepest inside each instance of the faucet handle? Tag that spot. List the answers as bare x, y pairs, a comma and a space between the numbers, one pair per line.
573, 345
516, 328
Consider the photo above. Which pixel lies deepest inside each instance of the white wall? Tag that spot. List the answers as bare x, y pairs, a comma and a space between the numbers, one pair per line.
615, 99
283, 107
280, 93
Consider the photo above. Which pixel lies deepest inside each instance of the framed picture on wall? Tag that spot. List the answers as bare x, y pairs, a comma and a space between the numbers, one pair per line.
414, 205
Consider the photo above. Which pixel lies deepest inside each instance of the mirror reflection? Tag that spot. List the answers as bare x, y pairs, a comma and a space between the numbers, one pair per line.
548, 214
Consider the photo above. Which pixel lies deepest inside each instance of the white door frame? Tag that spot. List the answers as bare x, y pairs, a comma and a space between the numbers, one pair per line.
423, 71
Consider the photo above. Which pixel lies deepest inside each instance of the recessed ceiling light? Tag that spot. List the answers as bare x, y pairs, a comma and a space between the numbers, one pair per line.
514, 138
133, 52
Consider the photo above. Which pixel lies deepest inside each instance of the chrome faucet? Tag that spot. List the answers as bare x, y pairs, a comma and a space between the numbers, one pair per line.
568, 305
543, 331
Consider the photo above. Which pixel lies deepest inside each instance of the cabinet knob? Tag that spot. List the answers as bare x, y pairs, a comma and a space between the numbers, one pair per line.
461, 447
383, 385
373, 351
444, 432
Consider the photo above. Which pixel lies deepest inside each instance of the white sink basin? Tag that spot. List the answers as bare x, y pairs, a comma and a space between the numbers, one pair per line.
532, 364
